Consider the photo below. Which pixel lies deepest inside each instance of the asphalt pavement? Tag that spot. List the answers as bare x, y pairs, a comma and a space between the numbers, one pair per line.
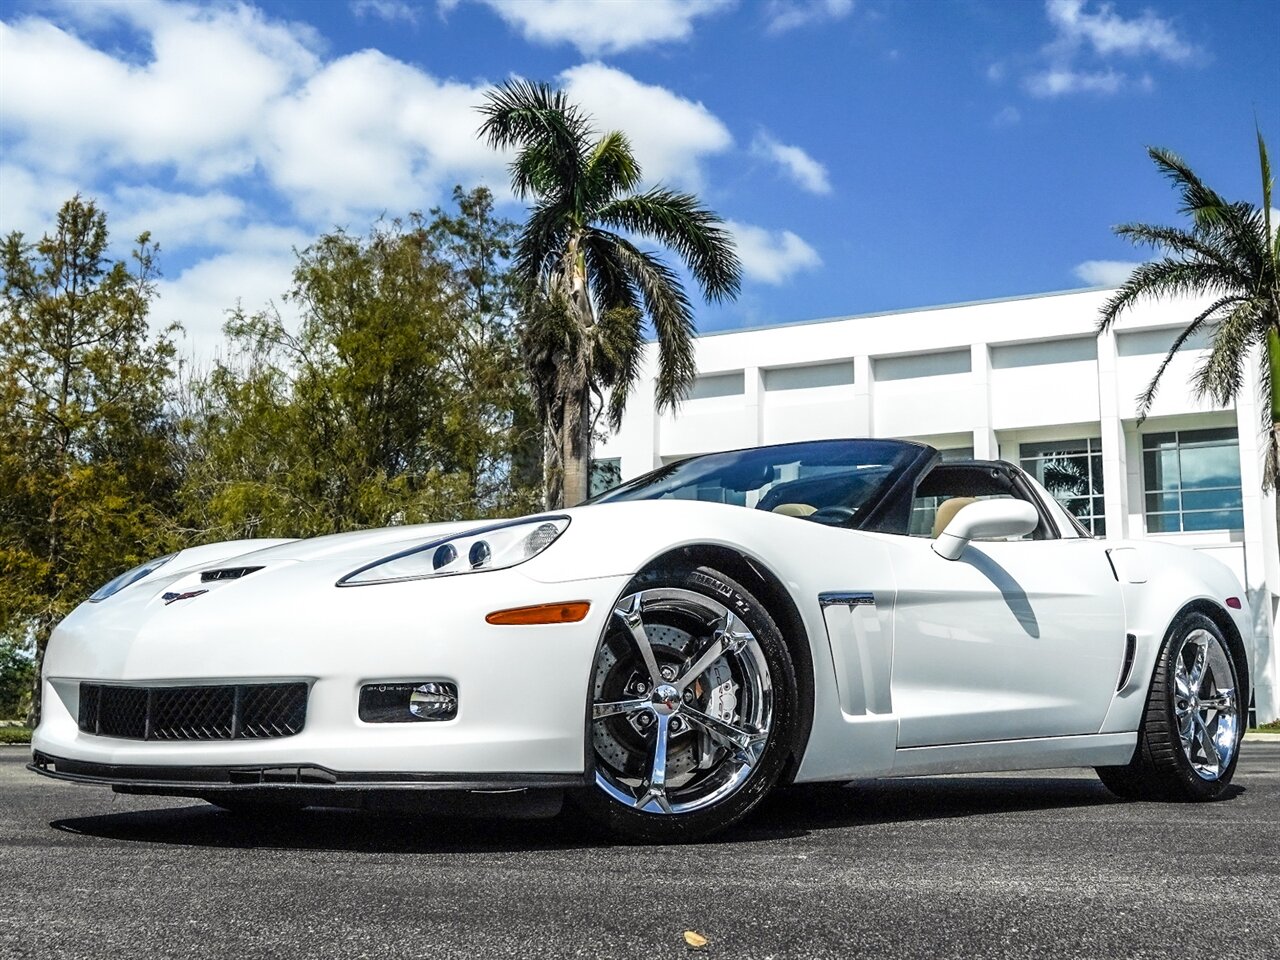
1038, 865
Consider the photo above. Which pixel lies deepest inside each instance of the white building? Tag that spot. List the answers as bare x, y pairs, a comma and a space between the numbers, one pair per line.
1022, 379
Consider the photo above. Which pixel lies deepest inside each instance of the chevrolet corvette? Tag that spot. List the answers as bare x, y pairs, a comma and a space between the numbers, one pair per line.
665, 655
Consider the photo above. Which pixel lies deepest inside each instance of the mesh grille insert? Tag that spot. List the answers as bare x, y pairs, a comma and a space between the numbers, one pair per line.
246, 711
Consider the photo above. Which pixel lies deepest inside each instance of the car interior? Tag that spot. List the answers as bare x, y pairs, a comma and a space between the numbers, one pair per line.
943, 491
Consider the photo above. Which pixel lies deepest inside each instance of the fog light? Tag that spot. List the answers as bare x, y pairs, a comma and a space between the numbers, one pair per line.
408, 702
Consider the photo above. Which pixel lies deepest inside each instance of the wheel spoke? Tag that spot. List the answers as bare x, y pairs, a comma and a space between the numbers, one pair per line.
1181, 681
1208, 745
745, 744
630, 615
600, 711
727, 635
656, 791
1195, 676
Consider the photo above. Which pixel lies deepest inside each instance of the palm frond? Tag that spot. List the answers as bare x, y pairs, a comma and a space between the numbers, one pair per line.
541, 122
541, 242
611, 284
672, 315
1220, 375
695, 233
619, 349
1204, 205
1167, 277
1206, 317
1265, 163
1177, 240
611, 170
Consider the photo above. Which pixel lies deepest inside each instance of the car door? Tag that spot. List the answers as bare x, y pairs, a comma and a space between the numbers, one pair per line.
1014, 640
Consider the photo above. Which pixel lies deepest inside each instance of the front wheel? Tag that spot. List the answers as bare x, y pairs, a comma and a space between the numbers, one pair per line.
1190, 737
693, 707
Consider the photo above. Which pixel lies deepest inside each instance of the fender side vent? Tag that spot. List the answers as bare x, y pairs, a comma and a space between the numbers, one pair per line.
226, 573
1130, 647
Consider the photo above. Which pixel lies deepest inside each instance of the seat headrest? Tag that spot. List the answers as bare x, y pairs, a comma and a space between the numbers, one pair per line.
794, 509
947, 511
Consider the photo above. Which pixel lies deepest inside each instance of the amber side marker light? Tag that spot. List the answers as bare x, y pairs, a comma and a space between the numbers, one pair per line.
1233, 603
570, 612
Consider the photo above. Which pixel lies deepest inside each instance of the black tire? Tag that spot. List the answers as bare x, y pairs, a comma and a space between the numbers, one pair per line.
1161, 769
628, 822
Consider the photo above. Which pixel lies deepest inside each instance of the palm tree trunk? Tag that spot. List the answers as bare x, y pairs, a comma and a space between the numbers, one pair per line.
577, 451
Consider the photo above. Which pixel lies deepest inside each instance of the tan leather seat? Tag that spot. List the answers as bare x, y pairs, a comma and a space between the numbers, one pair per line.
947, 511
794, 509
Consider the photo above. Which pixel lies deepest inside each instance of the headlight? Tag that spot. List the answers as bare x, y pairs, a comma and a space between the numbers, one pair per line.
112, 587
490, 548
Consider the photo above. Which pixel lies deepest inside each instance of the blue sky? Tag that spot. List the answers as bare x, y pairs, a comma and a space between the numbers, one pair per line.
869, 154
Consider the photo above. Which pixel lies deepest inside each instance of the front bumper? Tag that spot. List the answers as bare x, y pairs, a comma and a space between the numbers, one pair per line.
522, 689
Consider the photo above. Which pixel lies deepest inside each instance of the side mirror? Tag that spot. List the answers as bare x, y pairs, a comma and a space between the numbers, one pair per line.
985, 520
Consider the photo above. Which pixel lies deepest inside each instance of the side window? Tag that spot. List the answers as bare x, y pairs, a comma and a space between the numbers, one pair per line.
949, 487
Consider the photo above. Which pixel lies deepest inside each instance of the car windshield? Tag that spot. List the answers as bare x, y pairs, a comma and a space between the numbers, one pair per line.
827, 480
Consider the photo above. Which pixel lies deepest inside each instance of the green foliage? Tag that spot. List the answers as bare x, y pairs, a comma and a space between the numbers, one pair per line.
1230, 254
17, 672
87, 467
398, 399
589, 287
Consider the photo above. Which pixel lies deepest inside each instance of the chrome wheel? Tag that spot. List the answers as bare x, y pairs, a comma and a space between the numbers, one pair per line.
682, 702
1205, 704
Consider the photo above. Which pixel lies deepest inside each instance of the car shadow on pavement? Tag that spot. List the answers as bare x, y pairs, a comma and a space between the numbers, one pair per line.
792, 812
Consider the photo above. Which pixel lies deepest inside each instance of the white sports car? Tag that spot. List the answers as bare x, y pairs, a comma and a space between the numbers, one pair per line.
666, 654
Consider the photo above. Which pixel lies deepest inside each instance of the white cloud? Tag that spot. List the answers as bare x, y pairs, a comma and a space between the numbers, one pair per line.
771, 256
807, 172
1107, 32
1105, 273
29, 200
391, 11
1100, 35
600, 27
367, 133
213, 219
784, 15
252, 276
195, 104
670, 135
1060, 81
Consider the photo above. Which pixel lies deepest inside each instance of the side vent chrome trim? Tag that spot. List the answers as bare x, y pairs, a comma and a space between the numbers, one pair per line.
845, 598
1130, 648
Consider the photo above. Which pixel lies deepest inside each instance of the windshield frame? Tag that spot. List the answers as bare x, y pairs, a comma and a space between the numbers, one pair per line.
907, 458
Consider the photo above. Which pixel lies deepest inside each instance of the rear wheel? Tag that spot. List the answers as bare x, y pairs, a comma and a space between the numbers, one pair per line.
1189, 741
693, 705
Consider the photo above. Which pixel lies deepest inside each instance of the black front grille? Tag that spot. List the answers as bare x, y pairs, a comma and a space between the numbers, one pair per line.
246, 711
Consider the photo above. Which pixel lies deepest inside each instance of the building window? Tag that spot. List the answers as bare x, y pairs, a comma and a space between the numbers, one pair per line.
1071, 470
1191, 479
605, 475
714, 385
804, 378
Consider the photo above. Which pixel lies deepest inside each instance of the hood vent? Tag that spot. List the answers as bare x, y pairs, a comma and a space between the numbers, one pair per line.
226, 573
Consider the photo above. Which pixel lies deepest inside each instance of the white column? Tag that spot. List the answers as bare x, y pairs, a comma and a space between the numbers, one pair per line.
863, 398
639, 434
1115, 476
1260, 561
985, 444
753, 404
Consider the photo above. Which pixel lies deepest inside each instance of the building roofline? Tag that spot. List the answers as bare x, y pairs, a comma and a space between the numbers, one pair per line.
890, 313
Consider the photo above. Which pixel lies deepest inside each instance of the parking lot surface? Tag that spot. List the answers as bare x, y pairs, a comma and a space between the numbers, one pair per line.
1039, 865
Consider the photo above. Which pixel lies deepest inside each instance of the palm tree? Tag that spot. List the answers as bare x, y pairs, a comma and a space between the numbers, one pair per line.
1230, 254
590, 287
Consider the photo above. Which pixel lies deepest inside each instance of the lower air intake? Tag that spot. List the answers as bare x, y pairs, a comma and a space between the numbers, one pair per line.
246, 711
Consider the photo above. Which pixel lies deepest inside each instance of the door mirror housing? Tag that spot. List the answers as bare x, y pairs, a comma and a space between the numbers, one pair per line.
985, 520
